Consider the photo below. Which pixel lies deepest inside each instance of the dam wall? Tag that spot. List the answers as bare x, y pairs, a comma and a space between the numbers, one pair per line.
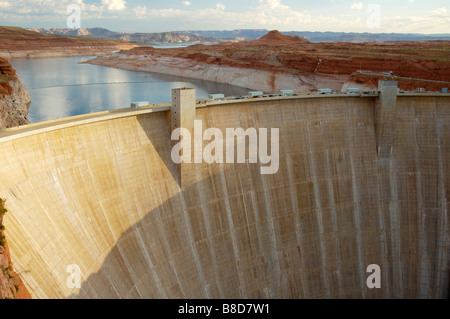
103, 194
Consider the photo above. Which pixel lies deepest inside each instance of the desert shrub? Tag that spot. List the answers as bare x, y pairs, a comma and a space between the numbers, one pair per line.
3, 211
2, 240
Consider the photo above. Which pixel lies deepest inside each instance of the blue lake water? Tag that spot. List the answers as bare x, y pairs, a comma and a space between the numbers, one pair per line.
61, 87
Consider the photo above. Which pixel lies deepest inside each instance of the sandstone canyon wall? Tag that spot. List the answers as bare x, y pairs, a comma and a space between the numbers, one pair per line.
14, 102
11, 285
14, 97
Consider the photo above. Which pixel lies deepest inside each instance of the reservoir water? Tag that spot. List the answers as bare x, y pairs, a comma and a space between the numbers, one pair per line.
61, 87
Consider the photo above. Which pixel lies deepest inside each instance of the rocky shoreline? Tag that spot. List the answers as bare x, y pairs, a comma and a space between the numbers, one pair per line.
14, 98
277, 61
63, 52
267, 81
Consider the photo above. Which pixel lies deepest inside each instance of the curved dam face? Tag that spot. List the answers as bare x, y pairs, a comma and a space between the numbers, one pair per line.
103, 194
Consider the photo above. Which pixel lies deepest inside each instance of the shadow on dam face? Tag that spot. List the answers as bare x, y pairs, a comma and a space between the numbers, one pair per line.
104, 196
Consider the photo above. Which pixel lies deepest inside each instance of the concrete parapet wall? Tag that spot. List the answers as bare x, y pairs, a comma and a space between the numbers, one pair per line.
103, 194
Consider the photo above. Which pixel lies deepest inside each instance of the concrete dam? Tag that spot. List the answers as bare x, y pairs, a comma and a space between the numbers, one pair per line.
362, 180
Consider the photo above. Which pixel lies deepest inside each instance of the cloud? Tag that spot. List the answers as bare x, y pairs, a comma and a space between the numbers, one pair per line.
115, 5
4, 4
275, 14
220, 6
415, 24
186, 3
140, 12
264, 14
441, 11
357, 6
168, 13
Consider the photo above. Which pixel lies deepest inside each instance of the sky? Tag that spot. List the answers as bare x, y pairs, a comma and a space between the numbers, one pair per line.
374, 16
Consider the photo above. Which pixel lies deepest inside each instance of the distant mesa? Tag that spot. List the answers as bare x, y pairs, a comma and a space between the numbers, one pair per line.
154, 38
275, 37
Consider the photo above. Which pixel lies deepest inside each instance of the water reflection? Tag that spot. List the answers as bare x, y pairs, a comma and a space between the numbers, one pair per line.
61, 87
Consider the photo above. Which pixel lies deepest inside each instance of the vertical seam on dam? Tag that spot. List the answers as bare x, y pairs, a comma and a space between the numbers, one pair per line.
231, 226
161, 291
334, 222
422, 273
188, 225
45, 213
246, 212
384, 248
274, 260
441, 236
209, 233
124, 214
356, 210
162, 233
318, 211
148, 259
395, 225
113, 283
382, 226
298, 231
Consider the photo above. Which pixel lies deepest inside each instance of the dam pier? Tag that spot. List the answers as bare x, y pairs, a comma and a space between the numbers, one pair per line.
362, 180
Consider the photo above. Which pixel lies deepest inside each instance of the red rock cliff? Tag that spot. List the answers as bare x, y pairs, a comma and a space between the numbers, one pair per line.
414, 64
11, 285
14, 97
14, 102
